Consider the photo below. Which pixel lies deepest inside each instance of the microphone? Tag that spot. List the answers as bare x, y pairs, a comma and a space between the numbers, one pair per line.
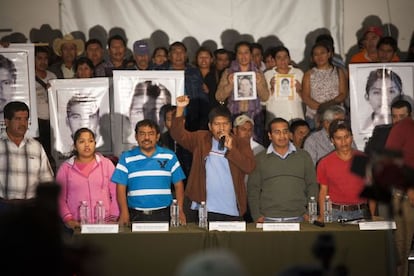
221, 142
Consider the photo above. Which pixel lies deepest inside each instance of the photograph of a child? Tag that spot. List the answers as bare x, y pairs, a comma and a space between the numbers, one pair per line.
285, 85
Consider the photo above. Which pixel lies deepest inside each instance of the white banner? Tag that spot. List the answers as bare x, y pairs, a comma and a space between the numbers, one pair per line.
373, 87
77, 103
219, 22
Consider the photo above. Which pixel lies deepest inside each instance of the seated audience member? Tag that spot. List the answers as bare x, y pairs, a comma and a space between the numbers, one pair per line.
298, 131
283, 181
284, 107
144, 176
68, 48
159, 58
387, 49
243, 127
86, 176
95, 52
212, 262
252, 108
338, 181
23, 161
141, 55
318, 144
220, 163
84, 68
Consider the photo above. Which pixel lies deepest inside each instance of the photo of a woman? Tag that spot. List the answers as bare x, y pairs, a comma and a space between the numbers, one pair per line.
382, 87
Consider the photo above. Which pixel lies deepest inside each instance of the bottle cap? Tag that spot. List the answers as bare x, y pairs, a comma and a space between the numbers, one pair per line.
174, 200
312, 197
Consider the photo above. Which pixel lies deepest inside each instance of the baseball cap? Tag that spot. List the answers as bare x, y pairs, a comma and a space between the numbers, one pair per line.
373, 29
241, 119
141, 48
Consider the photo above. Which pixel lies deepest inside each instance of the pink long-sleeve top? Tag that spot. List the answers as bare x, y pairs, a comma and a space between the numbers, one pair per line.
77, 187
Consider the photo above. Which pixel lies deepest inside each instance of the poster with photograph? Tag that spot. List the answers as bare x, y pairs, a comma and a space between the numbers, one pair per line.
285, 86
17, 81
141, 95
373, 87
77, 103
245, 86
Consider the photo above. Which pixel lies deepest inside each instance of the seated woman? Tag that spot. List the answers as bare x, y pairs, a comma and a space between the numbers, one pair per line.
86, 176
251, 107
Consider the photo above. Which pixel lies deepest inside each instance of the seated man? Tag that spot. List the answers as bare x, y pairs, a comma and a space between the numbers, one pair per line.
220, 163
283, 181
336, 179
318, 143
144, 175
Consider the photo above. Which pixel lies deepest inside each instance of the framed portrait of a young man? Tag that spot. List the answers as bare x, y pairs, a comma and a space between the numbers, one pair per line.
75, 104
141, 95
244, 86
17, 81
373, 88
285, 86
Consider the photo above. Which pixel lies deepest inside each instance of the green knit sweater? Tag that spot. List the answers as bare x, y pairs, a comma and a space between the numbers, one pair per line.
280, 188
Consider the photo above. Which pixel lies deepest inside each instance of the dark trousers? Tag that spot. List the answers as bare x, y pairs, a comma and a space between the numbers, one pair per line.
155, 215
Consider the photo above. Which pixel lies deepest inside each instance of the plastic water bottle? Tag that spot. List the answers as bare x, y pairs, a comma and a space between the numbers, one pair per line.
100, 212
84, 212
327, 216
202, 215
174, 211
312, 209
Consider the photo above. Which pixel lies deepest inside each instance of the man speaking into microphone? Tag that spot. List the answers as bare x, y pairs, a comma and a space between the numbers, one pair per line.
220, 163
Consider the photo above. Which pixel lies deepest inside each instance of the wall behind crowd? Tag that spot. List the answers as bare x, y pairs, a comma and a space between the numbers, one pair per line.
207, 23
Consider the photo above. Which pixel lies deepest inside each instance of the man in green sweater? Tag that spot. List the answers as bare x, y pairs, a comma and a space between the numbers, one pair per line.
283, 181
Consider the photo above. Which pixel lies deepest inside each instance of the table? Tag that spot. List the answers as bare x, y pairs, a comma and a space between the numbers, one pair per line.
263, 253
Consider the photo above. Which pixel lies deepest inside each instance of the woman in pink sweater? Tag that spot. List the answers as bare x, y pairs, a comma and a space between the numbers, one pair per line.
86, 176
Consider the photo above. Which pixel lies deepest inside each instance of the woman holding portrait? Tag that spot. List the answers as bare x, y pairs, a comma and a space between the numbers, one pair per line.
225, 90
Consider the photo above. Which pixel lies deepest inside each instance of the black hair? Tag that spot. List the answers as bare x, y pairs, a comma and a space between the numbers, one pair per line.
160, 48
400, 103
242, 43
165, 109
116, 37
217, 111
93, 41
84, 60
380, 74
274, 121
339, 124
388, 40
12, 107
256, 46
147, 123
280, 48
42, 49
177, 44
295, 123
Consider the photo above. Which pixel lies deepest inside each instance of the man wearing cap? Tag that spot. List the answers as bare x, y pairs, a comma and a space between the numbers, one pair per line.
369, 52
68, 48
141, 55
243, 127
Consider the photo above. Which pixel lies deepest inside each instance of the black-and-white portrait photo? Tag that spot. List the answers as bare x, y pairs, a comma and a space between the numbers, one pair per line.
140, 95
373, 88
285, 85
75, 104
17, 80
245, 86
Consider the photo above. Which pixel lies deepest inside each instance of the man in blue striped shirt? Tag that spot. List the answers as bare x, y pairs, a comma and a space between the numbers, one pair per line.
144, 176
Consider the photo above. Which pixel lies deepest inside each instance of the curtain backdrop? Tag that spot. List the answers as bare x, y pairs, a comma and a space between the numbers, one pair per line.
213, 23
